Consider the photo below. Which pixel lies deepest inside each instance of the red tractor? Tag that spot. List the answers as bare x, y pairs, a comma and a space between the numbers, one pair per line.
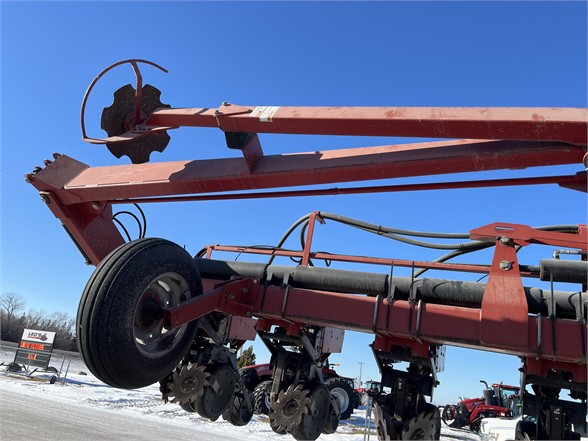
500, 400
259, 379
371, 388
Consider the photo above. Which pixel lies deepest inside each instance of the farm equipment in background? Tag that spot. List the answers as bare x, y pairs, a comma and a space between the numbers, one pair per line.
259, 379
371, 389
153, 313
500, 400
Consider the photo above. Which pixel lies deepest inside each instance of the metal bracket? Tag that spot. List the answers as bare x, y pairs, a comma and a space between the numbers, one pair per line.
375, 318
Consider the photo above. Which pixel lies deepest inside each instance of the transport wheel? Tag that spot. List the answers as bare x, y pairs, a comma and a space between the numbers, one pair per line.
333, 416
289, 408
426, 425
121, 334
261, 395
313, 421
219, 393
240, 411
343, 392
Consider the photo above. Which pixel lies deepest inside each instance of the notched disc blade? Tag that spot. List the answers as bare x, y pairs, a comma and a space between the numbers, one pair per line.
113, 123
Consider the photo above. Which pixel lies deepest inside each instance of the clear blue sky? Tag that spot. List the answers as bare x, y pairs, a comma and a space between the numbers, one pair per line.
275, 53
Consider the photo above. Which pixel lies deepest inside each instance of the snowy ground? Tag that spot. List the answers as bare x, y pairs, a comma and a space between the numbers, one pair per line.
80, 393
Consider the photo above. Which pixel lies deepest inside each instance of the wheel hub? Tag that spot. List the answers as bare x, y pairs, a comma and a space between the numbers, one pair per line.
342, 397
152, 338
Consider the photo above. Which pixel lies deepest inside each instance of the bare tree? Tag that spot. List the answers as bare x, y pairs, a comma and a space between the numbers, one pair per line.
35, 318
11, 304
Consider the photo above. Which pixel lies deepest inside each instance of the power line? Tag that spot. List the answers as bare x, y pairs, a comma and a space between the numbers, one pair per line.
7, 216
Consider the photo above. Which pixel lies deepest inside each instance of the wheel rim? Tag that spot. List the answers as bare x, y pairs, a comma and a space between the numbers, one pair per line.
151, 337
342, 396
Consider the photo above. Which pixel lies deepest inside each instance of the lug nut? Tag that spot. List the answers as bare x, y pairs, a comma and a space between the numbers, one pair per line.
56, 155
45, 199
37, 169
28, 178
47, 162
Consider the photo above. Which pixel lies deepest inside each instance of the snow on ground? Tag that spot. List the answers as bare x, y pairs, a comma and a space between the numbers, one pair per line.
79, 386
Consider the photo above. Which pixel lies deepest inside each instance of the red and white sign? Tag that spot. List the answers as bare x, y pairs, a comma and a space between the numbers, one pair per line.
35, 348
46, 337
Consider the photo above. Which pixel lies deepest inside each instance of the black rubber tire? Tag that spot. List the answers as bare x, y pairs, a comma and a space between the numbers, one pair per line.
457, 422
385, 427
475, 425
390, 429
261, 396
337, 387
425, 426
238, 413
525, 431
430, 407
106, 314
332, 420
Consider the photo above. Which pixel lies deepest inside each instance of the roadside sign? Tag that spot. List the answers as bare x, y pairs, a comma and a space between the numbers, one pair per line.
35, 348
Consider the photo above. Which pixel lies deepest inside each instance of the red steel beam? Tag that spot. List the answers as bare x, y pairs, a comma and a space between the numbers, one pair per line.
232, 174
576, 182
561, 341
515, 123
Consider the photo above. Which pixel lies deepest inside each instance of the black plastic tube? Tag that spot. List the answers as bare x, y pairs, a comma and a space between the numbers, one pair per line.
572, 271
438, 291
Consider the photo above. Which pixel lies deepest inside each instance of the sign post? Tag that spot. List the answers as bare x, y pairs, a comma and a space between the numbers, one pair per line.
35, 348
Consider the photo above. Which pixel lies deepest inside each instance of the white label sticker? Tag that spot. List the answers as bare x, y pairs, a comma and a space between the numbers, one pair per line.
264, 113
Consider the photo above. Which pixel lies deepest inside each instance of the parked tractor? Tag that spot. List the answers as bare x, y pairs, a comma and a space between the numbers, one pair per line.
259, 379
371, 388
499, 400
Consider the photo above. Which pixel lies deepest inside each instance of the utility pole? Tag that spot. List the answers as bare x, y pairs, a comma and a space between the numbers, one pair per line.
361, 363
